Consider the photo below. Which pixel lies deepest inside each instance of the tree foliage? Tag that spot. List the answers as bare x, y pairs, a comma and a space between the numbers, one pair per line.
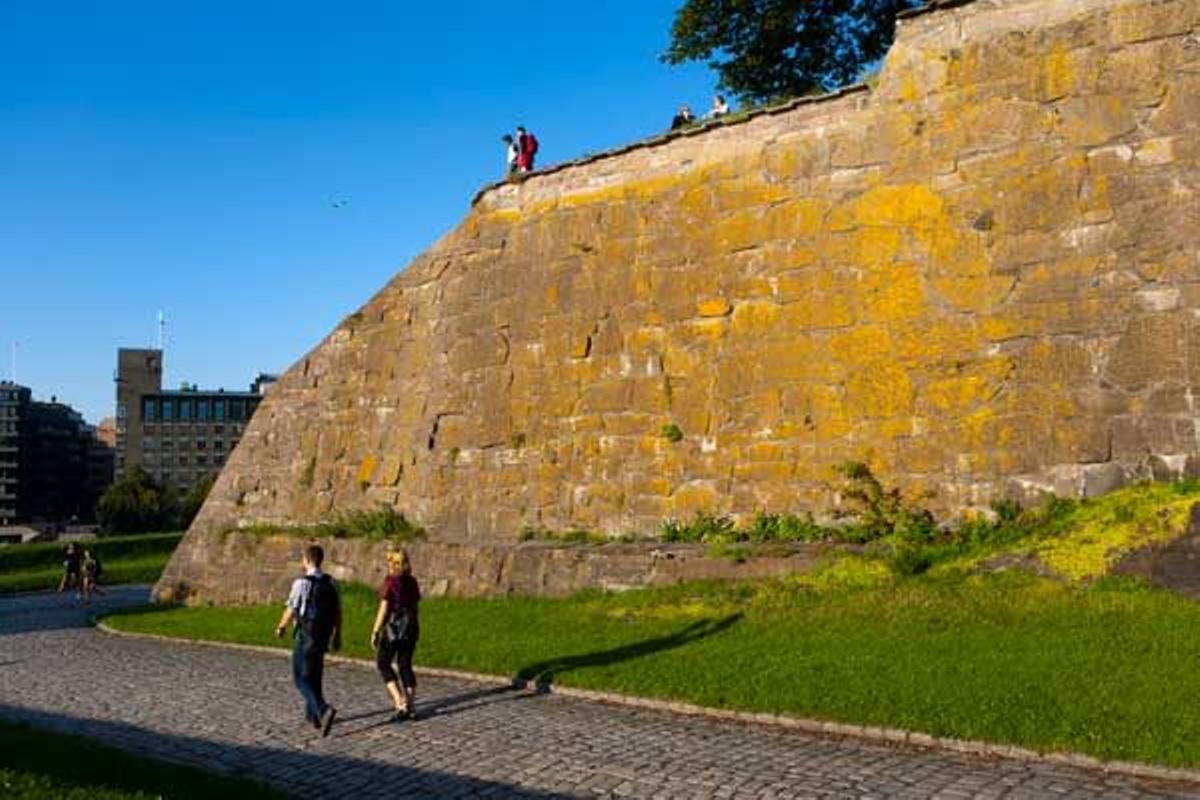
194, 499
769, 49
136, 503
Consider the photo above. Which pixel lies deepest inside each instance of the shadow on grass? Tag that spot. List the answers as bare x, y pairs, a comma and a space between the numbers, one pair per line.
543, 673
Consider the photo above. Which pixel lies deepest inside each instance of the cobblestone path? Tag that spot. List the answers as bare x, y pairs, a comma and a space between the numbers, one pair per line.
237, 712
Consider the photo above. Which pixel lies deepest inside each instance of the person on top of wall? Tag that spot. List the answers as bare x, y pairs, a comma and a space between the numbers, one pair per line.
527, 148
719, 108
512, 153
683, 118
316, 609
395, 632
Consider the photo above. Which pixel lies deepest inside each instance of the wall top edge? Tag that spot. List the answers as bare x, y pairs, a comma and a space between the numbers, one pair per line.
712, 125
670, 136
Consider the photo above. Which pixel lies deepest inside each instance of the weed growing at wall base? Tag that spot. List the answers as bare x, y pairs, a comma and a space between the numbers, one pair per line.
383, 523
1077, 539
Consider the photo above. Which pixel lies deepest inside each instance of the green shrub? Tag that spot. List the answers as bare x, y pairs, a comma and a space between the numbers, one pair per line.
672, 433
539, 533
879, 512
704, 527
786, 528
382, 523
907, 559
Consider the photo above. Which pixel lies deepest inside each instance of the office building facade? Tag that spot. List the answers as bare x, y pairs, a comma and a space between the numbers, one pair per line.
53, 467
180, 436
14, 400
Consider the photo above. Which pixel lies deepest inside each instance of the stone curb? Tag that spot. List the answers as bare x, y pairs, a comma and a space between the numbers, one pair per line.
838, 729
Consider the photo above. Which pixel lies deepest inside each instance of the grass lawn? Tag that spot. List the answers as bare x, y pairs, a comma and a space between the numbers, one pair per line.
35, 765
126, 559
1107, 669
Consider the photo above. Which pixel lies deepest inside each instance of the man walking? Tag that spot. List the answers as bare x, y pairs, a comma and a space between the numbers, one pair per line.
316, 609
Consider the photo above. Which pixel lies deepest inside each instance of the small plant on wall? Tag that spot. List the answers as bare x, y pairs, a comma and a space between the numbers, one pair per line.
672, 432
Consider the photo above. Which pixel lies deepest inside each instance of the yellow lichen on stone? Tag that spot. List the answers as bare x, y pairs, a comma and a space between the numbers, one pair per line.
366, 469
713, 307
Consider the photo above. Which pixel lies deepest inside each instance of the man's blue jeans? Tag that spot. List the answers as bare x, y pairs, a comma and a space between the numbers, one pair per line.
308, 668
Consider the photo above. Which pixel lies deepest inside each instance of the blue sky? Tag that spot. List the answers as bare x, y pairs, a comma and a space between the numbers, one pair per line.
185, 157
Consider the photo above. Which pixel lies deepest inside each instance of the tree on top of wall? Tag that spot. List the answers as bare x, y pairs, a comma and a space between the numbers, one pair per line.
764, 50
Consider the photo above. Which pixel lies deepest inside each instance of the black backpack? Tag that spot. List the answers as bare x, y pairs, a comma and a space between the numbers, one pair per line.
321, 610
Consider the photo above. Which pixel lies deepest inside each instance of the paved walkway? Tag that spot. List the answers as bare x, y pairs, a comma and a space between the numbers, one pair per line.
237, 712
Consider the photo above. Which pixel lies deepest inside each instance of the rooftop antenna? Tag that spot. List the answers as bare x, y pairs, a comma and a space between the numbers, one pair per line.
16, 347
162, 330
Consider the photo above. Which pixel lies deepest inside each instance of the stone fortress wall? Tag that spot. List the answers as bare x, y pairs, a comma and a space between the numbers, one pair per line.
981, 276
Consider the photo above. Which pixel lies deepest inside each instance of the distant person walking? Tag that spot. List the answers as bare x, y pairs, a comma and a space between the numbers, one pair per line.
527, 149
315, 608
395, 632
71, 572
719, 108
683, 118
92, 569
512, 153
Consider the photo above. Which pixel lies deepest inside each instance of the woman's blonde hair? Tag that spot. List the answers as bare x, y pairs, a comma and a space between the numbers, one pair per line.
397, 561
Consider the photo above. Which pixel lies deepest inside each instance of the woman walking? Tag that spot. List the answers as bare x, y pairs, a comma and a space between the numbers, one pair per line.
394, 635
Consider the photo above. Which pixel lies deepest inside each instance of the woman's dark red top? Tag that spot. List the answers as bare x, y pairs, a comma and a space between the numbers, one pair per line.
400, 591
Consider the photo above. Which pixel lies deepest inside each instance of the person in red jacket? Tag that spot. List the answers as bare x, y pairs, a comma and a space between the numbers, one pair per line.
527, 148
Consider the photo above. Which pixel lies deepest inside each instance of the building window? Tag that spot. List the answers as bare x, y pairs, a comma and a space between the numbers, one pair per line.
168, 410
168, 444
237, 409
185, 410
202, 410
149, 408
183, 461
121, 411
201, 444
149, 443
219, 410
218, 446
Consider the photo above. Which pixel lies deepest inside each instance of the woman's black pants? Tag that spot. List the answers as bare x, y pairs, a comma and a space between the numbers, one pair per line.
402, 654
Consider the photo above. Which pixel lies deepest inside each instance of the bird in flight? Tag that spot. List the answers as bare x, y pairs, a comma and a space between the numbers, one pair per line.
339, 202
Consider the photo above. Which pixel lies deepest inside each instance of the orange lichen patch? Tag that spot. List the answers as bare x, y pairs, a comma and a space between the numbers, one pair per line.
754, 317
714, 307
366, 469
